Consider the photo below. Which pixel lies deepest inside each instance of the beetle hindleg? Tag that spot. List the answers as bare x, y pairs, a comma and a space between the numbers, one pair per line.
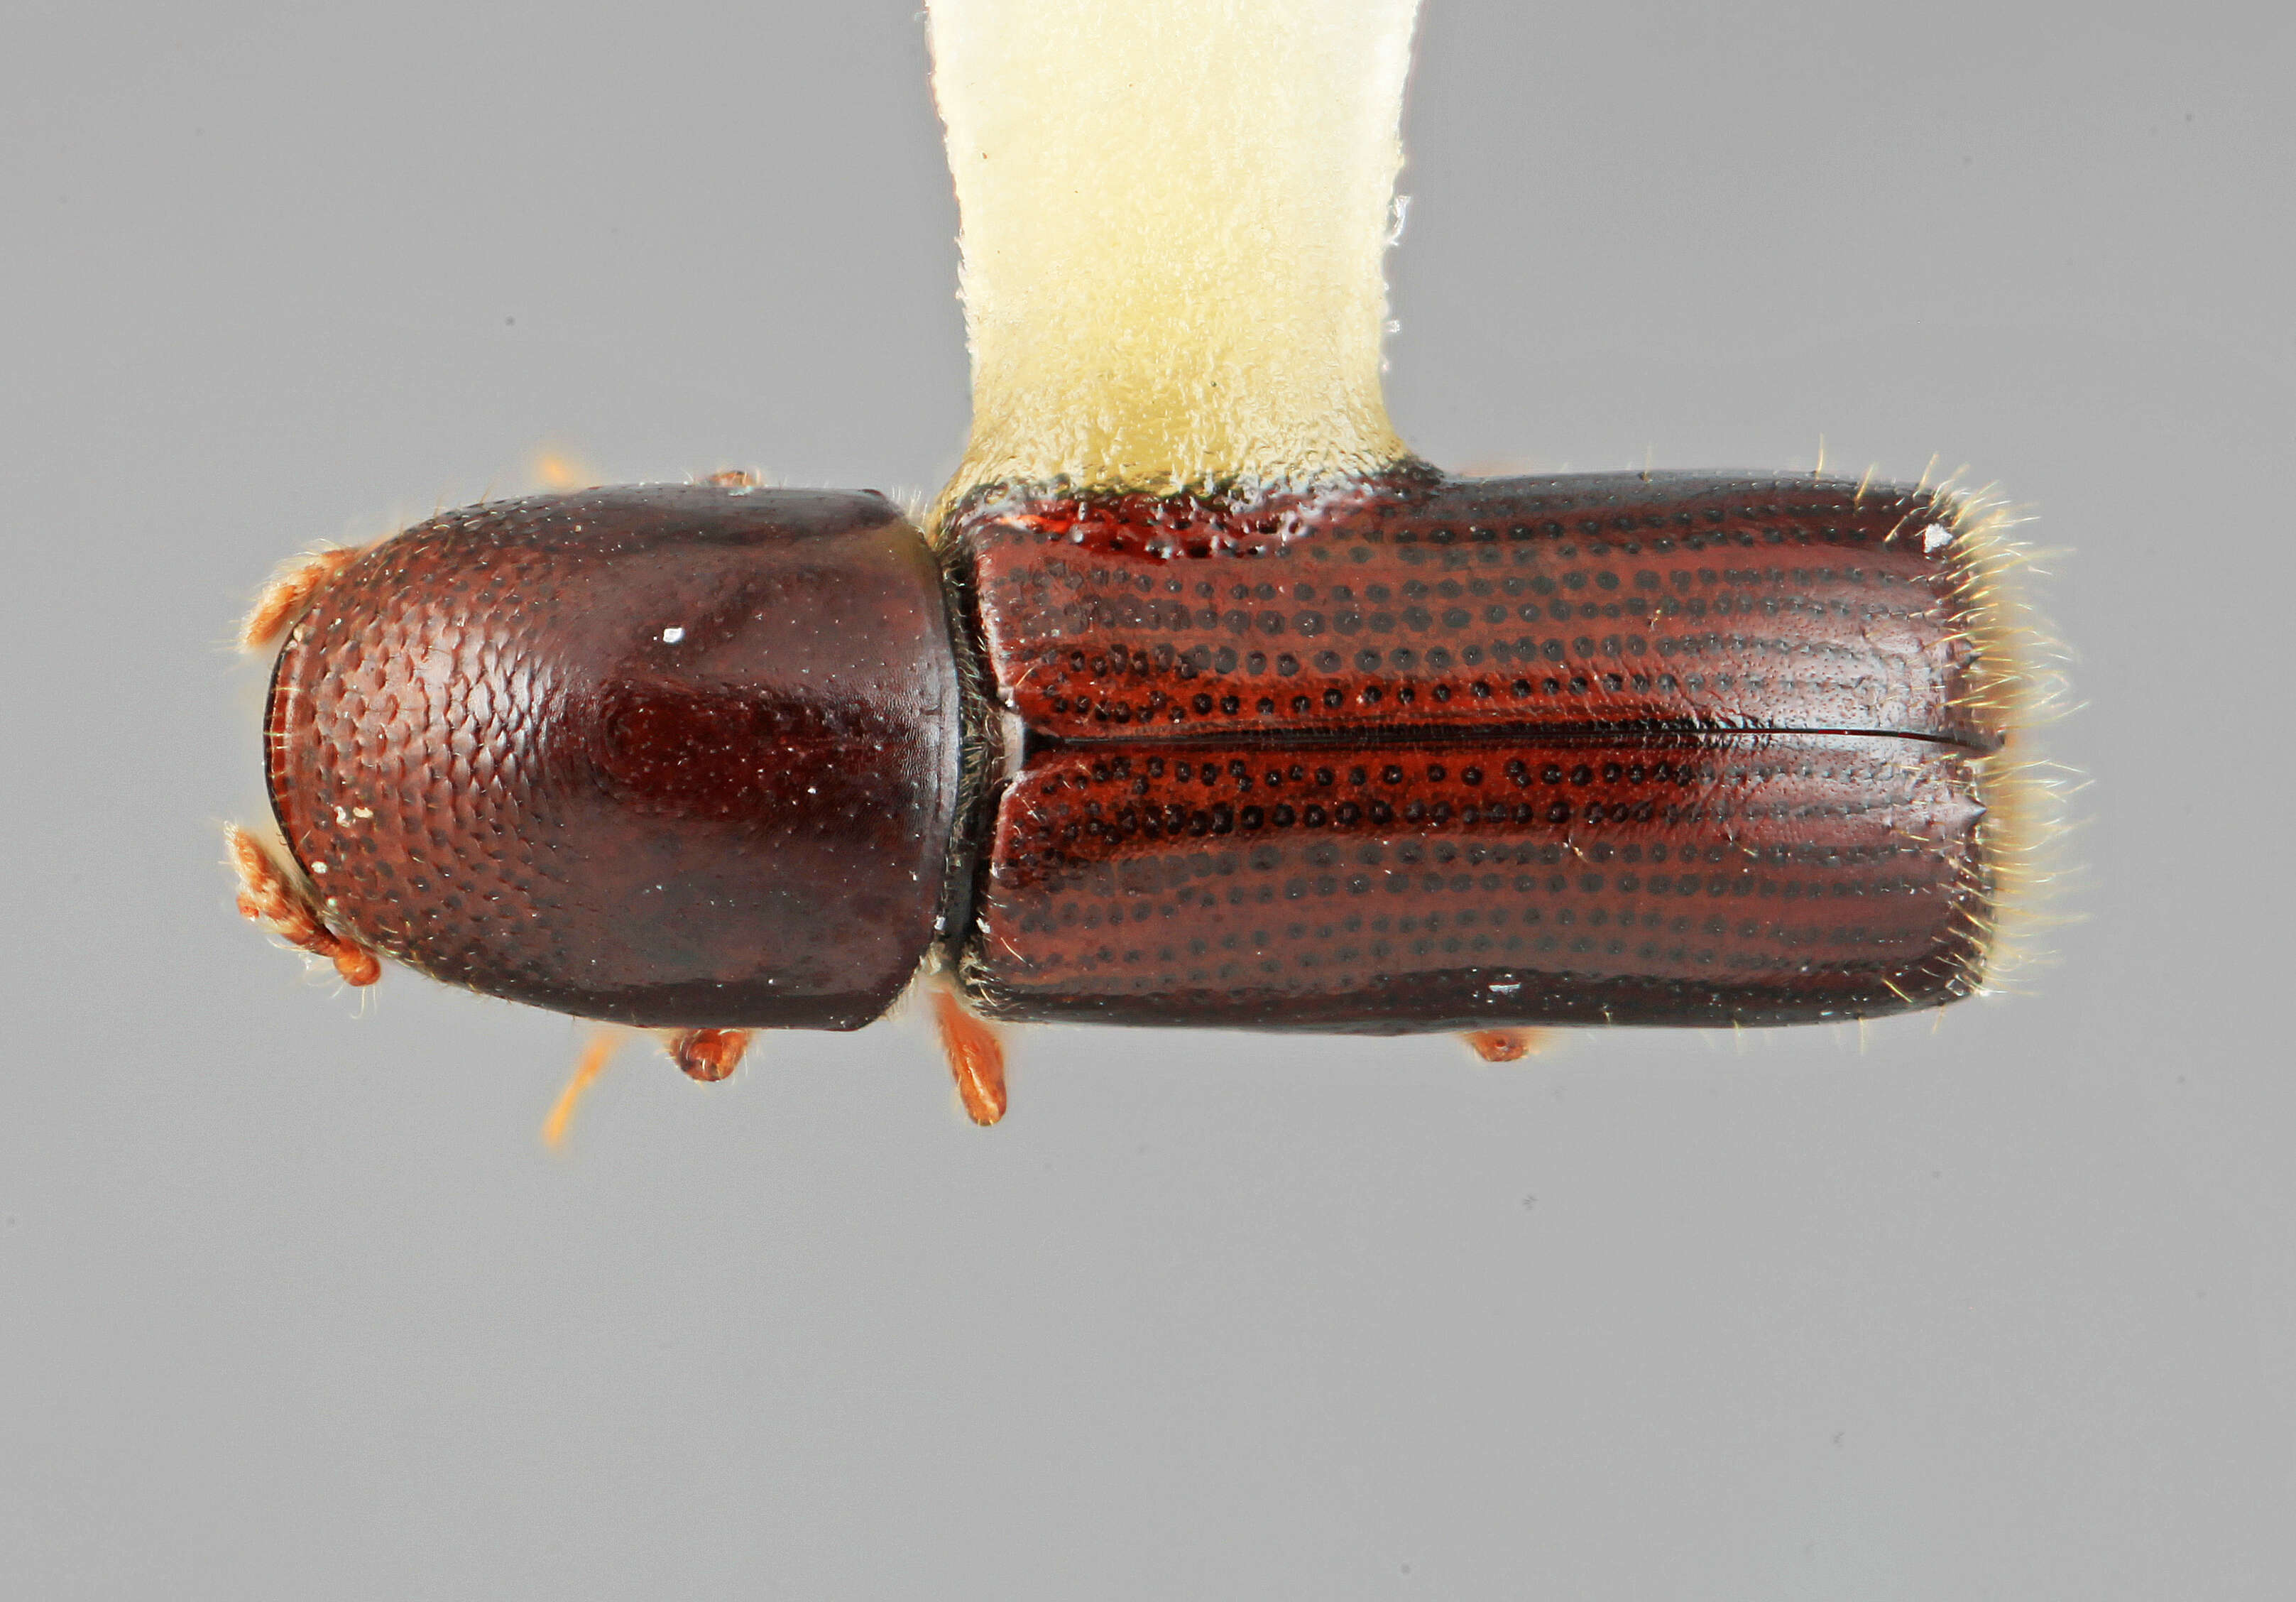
269, 897
709, 1055
976, 1056
1505, 1045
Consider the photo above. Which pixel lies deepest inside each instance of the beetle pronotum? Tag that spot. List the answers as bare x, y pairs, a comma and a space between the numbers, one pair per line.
1196, 697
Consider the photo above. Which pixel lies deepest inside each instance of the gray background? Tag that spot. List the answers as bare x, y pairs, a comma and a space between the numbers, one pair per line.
293, 1304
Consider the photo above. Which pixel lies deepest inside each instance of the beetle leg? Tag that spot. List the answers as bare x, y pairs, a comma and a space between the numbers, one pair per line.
709, 1055
560, 470
1505, 1045
289, 591
269, 897
596, 1055
976, 1056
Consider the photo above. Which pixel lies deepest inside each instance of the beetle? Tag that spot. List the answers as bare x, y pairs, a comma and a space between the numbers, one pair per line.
1355, 746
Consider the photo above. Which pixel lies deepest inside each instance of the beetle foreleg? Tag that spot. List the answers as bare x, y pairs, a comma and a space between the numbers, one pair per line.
709, 1055
592, 1062
976, 1056
1505, 1045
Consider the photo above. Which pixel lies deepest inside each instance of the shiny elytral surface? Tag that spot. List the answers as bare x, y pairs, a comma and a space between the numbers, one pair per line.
1378, 889
1596, 601
1433, 754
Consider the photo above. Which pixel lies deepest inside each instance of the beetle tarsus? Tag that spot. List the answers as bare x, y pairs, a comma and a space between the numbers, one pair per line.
976, 1056
1505, 1045
709, 1055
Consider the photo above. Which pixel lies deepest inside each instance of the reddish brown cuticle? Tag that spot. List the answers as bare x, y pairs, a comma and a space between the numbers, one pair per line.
1502, 1045
679, 755
709, 1055
1411, 755
1619, 601
1440, 754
